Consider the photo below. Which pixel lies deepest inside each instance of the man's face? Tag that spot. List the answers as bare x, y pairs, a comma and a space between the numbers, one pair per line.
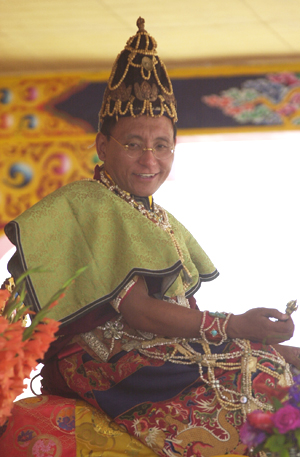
144, 175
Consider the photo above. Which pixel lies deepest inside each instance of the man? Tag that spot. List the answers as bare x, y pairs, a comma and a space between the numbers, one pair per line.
142, 176
132, 341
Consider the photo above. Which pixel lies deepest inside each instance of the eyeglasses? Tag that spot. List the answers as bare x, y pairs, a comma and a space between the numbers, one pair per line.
135, 150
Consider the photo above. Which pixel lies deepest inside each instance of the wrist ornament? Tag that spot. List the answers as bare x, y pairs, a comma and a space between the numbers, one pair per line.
213, 327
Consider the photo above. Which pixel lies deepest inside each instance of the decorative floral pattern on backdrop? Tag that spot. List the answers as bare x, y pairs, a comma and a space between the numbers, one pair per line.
42, 148
26, 107
29, 172
270, 100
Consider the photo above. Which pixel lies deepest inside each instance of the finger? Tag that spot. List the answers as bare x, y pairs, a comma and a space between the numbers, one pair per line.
272, 312
284, 317
286, 328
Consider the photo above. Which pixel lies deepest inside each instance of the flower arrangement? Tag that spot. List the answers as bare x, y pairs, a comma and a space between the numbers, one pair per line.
279, 431
20, 346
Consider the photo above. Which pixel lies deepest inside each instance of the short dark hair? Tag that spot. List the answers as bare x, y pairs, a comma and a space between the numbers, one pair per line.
107, 125
109, 122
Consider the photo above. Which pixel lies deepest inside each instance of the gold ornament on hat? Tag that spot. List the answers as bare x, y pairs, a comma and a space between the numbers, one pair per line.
147, 63
139, 83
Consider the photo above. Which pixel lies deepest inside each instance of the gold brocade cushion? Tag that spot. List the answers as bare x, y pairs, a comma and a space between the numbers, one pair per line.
61, 427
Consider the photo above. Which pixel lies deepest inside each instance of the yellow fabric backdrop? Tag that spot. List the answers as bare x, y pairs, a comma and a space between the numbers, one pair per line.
42, 149
39, 150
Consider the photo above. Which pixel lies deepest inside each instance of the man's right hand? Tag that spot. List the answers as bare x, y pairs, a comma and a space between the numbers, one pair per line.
255, 325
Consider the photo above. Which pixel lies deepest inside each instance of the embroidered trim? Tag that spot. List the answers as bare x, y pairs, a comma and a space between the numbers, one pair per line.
122, 294
213, 327
180, 300
96, 345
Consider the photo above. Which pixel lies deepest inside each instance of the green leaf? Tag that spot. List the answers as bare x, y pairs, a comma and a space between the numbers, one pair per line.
21, 313
26, 273
275, 443
297, 436
16, 300
284, 453
14, 303
276, 403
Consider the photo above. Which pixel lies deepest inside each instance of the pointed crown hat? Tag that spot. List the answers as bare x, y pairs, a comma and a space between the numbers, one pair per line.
139, 83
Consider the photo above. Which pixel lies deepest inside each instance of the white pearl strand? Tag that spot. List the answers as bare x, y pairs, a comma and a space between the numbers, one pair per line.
184, 354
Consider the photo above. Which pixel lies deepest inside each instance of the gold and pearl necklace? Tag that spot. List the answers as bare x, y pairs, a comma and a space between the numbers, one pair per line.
158, 216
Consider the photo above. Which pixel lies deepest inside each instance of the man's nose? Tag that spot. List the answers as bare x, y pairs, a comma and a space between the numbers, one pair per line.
148, 158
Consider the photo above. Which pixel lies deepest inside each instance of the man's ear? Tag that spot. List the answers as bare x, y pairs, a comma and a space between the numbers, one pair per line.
101, 142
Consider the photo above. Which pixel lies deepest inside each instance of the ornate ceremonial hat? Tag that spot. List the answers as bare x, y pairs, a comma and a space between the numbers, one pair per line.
139, 83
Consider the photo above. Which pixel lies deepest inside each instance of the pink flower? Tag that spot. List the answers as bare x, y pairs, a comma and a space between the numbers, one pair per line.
261, 420
286, 419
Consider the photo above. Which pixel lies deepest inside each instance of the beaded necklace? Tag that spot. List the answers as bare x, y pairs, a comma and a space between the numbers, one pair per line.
158, 215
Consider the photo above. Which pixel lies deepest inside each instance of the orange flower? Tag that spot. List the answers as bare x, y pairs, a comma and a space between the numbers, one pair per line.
40, 341
11, 367
32, 353
4, 296
3, 342
18, 357
50, 328
52, 324
12, 336
3, 323
53, 304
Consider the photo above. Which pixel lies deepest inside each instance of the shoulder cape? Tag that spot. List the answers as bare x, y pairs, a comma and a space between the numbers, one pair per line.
84, 224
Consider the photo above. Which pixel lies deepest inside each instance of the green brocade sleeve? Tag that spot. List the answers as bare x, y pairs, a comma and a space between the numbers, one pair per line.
84, 224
